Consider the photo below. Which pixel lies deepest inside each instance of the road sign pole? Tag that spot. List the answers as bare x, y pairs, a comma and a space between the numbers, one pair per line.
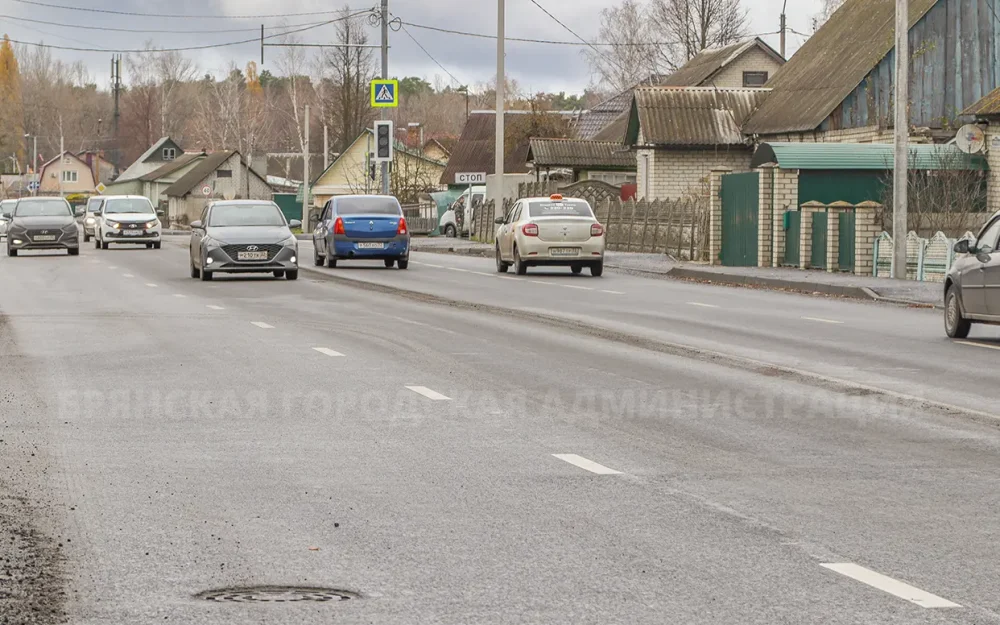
385, 76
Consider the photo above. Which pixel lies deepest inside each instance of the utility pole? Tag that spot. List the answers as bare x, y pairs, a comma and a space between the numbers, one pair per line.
305, 176
62, 158
116, 79
902, 131
783, 7
385, 76
501, 86
326, 147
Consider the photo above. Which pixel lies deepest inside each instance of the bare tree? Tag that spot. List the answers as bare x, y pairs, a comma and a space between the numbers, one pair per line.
348, 71
233, 115
297, 90
690, 26
829, 7
634, 55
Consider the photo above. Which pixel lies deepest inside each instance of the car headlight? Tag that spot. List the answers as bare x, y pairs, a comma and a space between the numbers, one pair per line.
90, 221
112, 224
152, 224
210, 242
290, 241
69, 227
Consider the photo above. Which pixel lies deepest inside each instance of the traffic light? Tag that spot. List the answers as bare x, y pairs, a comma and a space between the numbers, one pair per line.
383, 142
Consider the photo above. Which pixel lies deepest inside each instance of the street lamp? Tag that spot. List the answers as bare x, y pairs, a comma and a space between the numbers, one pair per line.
34, 156
413, 125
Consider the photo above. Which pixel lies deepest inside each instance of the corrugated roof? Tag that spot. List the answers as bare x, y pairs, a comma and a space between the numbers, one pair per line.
201, 171
615, 131
592, 122
171, 167
476, 148
830, 65
708, 62
862, 156
583, 154
987, 107
135, 169
691, 116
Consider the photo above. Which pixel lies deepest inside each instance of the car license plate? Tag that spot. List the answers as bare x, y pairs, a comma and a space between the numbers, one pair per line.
44, 237
251, 255
565, 251
133, 233
371, 246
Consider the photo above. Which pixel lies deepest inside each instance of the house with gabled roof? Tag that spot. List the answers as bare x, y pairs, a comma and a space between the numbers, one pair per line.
163, 151
224, 175
66, 174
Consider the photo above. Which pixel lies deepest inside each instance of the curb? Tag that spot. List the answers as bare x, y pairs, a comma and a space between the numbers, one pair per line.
455, 251
854, 292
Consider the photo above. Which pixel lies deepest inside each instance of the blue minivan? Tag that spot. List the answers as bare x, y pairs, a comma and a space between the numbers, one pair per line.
362, 227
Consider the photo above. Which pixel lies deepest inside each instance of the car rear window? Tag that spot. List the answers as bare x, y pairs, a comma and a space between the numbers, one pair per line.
368, 206
560, 208
42, 208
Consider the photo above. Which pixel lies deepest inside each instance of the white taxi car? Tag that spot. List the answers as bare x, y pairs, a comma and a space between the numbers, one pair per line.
546, 231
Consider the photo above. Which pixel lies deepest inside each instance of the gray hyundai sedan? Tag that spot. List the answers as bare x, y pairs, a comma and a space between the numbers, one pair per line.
42, 223
244, 236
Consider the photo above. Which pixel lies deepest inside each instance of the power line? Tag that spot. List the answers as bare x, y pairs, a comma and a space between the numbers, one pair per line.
431, 57
155, 31
190, 16
186, 48
543, 41
570, 30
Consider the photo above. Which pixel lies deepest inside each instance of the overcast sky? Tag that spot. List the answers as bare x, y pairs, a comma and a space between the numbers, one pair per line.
537, 67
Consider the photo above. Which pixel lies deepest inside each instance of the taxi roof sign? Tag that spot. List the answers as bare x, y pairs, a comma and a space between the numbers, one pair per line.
385, 93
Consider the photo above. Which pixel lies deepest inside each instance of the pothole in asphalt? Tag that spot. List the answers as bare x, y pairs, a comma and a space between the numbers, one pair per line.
277, 594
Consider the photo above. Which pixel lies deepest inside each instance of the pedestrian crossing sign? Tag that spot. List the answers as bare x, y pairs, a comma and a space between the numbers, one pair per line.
385, 94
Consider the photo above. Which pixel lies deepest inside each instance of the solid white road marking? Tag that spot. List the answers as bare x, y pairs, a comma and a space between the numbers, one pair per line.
700, 305
818, 320
892, 586
538, 282
215, 307
587, 465
573, 286
457, 269
428, 393
328, 352
150, 284
262, 325
975, 344
612, 292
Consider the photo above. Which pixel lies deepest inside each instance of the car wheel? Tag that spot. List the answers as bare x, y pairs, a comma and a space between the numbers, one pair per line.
194, 270
331, 262
104, 245
449, 231
157, 245
86, 238
73, 251
149, 246
955, 325
206, 276
292, 275
97, 244
576, 269
389, 263
501, 266
597, 269
519, 267
279, 274
317, 259
403, 264
11, 251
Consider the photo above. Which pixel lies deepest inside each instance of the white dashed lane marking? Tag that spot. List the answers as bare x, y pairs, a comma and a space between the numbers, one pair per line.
328, 352
128, 275
215, 307
428, 393
150, 284
612, 292
819, 320
700, 305
587, 465
892, 586
262, 325
179, 295
975, 344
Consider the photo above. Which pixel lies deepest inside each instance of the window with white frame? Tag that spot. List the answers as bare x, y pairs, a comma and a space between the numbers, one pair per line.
169, 154
70, 176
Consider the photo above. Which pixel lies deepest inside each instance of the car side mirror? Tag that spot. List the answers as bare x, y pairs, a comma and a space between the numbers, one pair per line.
7, 216
160, 213
295, 223
498, 220
962, 247
983, 257
78, 212
196, 225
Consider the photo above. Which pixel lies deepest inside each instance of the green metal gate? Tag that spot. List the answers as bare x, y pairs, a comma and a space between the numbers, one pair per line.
845, 254
291, 207
740, 215
793, 231
818, 258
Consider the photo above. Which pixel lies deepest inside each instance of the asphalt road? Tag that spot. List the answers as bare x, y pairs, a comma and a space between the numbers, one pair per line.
162, 437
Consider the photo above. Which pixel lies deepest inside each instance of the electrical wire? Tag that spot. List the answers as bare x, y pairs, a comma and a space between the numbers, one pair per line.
155, 31
542, 41
431, 57
186, 48
172, 15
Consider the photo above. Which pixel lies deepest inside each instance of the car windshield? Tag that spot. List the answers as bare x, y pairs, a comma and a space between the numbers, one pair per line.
368, 206
128, 205
234, 215
560, 208
42, 208
93, 204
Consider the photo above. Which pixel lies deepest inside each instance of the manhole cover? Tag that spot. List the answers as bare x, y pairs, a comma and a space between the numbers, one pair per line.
276, 594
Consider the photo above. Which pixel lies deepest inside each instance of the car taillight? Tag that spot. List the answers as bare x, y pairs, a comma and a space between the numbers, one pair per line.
402, 226
338, 226
596, 230
530, 230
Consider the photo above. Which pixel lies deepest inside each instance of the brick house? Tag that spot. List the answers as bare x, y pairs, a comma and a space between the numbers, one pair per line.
681, 134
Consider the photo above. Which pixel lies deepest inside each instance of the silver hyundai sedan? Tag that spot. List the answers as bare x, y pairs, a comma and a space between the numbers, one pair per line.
244, 236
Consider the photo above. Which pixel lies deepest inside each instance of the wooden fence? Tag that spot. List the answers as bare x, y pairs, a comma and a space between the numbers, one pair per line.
678, 228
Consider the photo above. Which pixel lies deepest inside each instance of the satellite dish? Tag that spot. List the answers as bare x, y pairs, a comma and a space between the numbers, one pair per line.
970, 139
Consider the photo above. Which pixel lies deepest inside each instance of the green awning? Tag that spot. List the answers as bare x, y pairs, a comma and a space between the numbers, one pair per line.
863, 156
